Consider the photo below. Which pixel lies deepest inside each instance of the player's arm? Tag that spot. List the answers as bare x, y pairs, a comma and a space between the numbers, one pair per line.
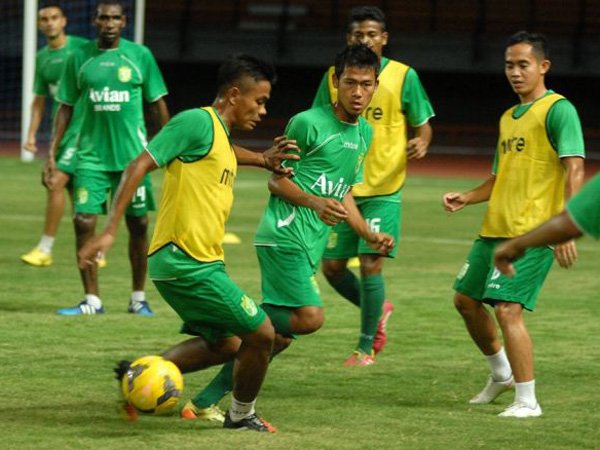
130, 180
455, 201
416, 148
329, 210
159, 112
37, 113
271, 159
558, 229
61, 123
381, 242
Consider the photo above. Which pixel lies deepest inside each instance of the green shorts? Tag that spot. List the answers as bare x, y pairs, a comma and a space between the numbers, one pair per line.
480, 279
210, 304
382, 215
66, 160
288, 277
93, 187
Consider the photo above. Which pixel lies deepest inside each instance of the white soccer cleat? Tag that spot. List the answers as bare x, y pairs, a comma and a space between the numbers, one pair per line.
492, 390
521, 410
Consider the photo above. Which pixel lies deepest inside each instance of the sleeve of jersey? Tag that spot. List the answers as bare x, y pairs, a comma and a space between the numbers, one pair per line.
188, 136
322, 97
68, 87
298, 129
584, 208
39, 87
564, 129
154, 85
415, 102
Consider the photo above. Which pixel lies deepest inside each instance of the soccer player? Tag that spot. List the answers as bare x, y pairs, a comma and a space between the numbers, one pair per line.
186, 254
294, 228
111, 77
539, 162
49, 62
581, 215
400, 102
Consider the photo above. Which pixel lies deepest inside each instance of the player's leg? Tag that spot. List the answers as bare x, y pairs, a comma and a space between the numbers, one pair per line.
137, 225
197, 353
470, 289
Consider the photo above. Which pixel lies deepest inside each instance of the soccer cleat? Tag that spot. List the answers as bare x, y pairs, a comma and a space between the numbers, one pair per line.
140, 308
249, 423
521, 410
37, 258
211, 414
492, 390
83, 309
121, 370
360, 359
101, 262
380, 338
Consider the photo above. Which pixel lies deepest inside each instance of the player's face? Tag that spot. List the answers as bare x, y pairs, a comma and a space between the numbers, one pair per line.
525, 71
109, 22
356, 87
51, 22
251, 103
369, 33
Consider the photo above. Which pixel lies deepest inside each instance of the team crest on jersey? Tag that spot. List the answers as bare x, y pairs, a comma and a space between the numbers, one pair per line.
82, 196
249, 306
124, 74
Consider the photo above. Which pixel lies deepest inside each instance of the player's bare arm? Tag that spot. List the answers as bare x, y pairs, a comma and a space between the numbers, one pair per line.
61, 123
130, 180
329, 210
381, 242
159, 112
455, 201
37, 113
417, 147
271, 159
566, 253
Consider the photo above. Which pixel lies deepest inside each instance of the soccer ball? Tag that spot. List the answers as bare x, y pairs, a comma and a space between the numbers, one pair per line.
152, 385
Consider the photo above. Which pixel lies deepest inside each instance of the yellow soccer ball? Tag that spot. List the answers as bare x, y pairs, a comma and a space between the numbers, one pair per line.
152, 385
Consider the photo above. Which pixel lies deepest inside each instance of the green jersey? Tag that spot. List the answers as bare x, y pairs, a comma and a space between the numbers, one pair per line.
112, 85
49, 66
584, 208
332, 155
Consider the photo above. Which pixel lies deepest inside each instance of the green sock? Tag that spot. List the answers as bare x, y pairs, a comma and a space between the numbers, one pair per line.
348, 286
219, 387
372, 298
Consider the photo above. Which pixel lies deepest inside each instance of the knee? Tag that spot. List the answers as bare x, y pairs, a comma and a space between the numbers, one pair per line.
370, 265
508, 313
309, 319
465, 305
84, 223
263, 337
137, 226
333, 268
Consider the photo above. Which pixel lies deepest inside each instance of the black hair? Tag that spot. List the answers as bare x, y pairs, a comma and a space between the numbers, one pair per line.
240, 65
50, 4
111, 3
358, 55
362, 13
538, 42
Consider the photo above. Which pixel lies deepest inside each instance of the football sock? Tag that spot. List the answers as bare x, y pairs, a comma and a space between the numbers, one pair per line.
239, 410
525, 392
280, 318
46, 243
500, 366
348, 286
138, 296
372, 298
93, 300
218, 388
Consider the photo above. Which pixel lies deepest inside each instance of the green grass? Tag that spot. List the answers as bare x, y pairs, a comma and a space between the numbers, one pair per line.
56, 383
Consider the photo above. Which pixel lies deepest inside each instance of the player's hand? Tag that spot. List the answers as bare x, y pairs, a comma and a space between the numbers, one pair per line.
453, 201
280, 151
330, 211
30, 145
48, 173
416, 148
381, 242
94, 249
505, 254
566, 254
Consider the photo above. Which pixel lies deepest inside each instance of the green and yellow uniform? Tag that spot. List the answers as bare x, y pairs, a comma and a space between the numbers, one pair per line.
528, 190
49, 66
584, 208
111, 84
399, 101
186, 260
332, 156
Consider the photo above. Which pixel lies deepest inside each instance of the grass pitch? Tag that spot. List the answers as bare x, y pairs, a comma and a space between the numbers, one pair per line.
58, 392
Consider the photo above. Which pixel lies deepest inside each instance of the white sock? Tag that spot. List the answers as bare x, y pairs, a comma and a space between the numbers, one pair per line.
239, 410
46, 243
525, 392
93, 300
138, 296
500, 366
